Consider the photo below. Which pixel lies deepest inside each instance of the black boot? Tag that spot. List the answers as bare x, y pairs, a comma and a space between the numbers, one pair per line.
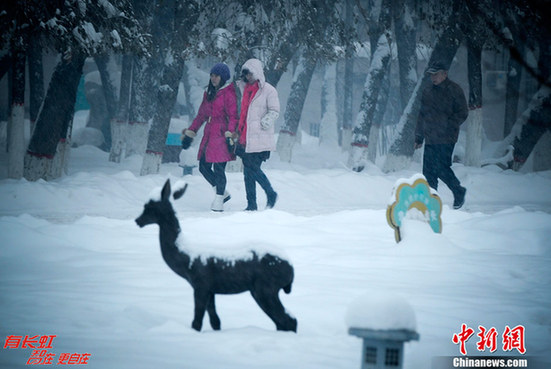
251, 207
272, 198
459, 198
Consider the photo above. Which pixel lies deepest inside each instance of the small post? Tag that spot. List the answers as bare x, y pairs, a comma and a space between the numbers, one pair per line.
187, 170
383, 349
384, 323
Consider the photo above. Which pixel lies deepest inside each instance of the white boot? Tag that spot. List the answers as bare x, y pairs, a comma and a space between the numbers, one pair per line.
218, 203
227, 195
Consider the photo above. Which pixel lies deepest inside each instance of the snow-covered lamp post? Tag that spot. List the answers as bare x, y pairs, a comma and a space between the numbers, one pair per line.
384, 323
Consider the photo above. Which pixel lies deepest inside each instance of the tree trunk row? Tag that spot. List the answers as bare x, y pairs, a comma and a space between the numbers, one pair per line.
53, 122
293, 111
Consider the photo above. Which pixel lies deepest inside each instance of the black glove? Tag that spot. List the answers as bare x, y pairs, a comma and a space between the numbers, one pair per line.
231, 145
186, 142
187, 138
231, 139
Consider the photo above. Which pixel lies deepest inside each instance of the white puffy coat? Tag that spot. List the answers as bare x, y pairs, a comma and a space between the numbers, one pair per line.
263, 111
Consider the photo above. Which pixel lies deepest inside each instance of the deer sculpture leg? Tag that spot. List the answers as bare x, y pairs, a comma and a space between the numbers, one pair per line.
205, 301
213, 317
269, 303
201, 301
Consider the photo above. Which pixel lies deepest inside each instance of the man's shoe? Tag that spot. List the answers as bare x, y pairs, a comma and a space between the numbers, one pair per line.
272, 198
459, 200
251, 207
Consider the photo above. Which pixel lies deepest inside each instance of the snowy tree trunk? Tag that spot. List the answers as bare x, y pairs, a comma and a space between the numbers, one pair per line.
530, 127
36, 79
541, 155
329, 135
187, 92
109, 92
373, 147
380, 21
138, 126
512, 93
293, 111
378, 117
347, 122
405, 31
401, 150
475, 31
120, 120
54, 117
5, 62
277, 64
473, 147
537, 103
544, 60
16, 131
166, 98
16, 140
118, 140
364, 119
167, 91
141, 87
61, 159
347, 119
285, 142
378, 17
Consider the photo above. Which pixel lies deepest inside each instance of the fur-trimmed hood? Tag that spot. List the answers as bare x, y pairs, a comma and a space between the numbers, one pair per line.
255, 67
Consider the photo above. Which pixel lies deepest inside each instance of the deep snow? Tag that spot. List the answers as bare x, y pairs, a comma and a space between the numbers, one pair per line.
74, 264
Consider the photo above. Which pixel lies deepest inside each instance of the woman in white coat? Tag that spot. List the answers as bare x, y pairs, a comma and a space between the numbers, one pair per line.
259, 111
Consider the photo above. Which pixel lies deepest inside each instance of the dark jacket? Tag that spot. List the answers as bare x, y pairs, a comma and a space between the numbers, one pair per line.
443, 110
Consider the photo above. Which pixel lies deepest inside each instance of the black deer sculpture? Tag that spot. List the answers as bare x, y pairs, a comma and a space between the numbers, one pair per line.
263, 274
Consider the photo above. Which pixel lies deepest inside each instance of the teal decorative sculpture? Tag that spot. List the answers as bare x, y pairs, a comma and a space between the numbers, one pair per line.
414, 193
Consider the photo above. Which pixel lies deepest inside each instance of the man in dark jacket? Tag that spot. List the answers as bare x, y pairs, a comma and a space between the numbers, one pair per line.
443, 110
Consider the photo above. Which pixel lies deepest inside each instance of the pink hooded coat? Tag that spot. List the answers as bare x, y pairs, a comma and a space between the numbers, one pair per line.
264, 107
220, 116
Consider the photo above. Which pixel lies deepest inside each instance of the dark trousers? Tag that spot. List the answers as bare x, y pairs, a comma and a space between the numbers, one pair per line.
437, 162
252, 174
215, 174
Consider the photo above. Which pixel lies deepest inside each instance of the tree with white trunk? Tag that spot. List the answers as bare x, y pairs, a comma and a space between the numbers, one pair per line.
75, 29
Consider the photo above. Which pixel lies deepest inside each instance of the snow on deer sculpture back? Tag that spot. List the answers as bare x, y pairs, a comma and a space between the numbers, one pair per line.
261, 272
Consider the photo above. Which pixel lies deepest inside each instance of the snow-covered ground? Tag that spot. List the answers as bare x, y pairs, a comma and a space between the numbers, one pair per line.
74, 264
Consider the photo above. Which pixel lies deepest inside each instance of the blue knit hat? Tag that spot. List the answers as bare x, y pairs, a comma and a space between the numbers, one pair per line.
222, 70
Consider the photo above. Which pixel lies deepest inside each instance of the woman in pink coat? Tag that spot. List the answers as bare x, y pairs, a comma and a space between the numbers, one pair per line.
259, 111
219, 111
